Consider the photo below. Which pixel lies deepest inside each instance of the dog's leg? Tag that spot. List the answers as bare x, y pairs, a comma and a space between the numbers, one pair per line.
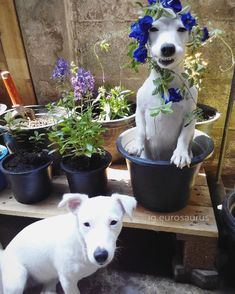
140, 136
50, 288
182, 155
14, 279
69, 284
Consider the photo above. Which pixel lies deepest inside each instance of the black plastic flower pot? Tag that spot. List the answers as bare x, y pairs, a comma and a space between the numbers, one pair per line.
30, 186
92, 182
159, 185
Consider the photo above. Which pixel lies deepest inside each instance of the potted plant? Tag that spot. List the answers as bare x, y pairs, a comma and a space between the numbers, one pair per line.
29, 172
113, 106
78, 137
159, 185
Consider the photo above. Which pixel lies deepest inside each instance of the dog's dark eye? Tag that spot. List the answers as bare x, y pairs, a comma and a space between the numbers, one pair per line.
153, 29
87, 224
113, 222
182, 30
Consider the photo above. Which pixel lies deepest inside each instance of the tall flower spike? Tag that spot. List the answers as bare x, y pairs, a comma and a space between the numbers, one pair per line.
61, 69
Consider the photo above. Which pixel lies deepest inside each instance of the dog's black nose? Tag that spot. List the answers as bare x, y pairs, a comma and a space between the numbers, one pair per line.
168, 50
101, 255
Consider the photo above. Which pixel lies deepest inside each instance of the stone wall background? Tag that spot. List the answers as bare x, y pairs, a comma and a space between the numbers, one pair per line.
70, 28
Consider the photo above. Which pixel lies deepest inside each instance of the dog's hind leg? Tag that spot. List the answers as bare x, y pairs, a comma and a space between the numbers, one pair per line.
14, 279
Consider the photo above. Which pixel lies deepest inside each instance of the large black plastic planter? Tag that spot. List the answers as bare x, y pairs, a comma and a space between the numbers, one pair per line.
159, 185
31, 186
92, 183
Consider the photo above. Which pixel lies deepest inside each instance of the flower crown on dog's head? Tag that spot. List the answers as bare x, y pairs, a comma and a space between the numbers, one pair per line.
153, 11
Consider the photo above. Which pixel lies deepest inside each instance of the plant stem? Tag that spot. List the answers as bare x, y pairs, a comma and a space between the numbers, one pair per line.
100, 63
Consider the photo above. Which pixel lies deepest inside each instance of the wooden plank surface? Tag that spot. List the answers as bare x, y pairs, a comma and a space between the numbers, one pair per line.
14, 51
195, 219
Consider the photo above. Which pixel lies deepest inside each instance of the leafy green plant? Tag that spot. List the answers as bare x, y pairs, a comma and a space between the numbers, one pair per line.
77, 135
113, 103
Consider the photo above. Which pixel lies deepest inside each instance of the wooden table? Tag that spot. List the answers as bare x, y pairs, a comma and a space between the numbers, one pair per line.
195, 225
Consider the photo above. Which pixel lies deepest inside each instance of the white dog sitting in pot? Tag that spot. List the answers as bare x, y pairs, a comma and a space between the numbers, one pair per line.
166, 136
65, 248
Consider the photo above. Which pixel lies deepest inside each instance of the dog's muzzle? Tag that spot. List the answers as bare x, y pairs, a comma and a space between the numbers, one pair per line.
167, 51
101, 255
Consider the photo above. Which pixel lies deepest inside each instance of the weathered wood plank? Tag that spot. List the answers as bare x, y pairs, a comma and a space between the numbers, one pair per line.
194, 219
14, 51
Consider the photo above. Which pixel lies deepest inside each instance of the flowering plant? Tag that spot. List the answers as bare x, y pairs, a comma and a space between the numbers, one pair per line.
112, 102
76, 133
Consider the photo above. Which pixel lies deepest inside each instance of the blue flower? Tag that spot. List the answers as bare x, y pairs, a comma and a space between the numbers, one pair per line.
188, 21
140, 54
152, 1
174, 95
138, 34
145, 23
206, 34
61, 69
172, 4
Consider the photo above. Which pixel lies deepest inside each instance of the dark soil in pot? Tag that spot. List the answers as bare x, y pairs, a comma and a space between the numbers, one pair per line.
209, 116
159, 185
29, 175
88, 176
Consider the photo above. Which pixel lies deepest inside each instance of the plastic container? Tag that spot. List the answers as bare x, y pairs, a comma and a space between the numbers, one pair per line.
159, 185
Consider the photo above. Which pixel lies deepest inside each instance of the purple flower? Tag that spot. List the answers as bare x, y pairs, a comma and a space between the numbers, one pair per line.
206, 34
83, 83
172, 4
174, 95
140, 54
61, 69
188, 21
152, 2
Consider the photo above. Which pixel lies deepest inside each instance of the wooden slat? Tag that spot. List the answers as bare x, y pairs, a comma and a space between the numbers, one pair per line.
14, 51
195, 219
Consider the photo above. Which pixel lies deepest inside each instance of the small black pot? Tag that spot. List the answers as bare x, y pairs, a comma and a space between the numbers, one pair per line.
31, 186
92, 183
159, 185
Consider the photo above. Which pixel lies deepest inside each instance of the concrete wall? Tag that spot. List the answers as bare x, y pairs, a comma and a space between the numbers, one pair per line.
70, 29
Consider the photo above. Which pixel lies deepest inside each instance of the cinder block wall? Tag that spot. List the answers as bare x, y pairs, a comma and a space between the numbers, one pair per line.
70, 28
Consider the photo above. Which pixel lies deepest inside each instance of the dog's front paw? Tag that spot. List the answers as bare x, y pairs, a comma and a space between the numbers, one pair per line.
181, 158
135, 149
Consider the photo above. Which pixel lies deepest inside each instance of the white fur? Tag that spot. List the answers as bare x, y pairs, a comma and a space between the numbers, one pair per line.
165, 137
62, 247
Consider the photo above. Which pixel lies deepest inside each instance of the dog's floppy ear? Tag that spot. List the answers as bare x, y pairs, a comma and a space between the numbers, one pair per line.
127, 203
73, 201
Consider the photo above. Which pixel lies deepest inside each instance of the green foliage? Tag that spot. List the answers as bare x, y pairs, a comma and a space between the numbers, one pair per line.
196, 114
163, 108
77, 134
38, 141
113, 103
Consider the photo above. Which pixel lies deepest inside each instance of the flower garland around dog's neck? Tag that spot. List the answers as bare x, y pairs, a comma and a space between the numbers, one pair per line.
194, 66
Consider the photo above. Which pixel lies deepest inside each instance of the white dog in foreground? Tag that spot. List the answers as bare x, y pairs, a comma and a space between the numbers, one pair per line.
68, 247
165, 137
